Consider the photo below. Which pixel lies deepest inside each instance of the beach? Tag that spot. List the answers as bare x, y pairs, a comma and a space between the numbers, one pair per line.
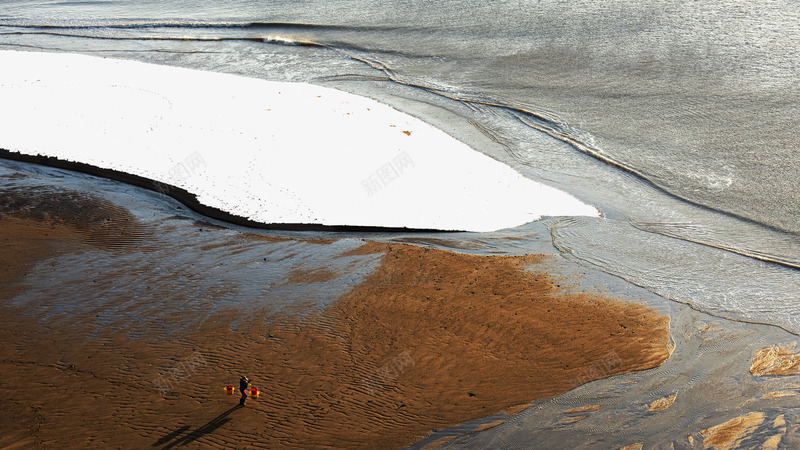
429, 339
460, 225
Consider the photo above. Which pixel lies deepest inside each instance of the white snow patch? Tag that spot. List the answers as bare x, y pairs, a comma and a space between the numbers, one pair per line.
267, 151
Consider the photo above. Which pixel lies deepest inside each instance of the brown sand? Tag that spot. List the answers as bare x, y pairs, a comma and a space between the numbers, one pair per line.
584, 409
38, 222
729, 434
662, 403
518, 408
439, 442
636, 446
430, 339
776, 360
710, 326
572, 420
22, 243
266, 238
303, 276
780, 394
772, 442
99, 221
488, 426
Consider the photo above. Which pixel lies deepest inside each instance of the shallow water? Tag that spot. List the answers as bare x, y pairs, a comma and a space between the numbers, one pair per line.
203, 266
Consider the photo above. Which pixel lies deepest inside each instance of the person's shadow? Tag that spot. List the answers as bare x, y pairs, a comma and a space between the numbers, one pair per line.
177, 437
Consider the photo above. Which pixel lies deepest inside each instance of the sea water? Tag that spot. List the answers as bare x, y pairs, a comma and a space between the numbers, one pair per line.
679, 121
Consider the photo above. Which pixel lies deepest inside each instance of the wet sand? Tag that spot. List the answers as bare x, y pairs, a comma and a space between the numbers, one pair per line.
430, 339
777, 360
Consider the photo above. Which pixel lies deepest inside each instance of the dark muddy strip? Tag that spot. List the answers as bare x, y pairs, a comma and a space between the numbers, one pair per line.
190, 200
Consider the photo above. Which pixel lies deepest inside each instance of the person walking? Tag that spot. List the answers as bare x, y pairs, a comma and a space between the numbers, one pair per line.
244, 383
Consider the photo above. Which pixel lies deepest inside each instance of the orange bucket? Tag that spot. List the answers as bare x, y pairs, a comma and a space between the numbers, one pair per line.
254, 392
229, 389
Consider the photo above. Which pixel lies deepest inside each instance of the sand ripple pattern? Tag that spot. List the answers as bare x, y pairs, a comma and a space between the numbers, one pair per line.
101, 222
709, 364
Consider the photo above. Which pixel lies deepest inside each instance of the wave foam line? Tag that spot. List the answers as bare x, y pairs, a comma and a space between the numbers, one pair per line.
673, 230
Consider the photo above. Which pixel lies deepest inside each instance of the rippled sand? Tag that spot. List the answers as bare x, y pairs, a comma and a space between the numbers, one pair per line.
105, 345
